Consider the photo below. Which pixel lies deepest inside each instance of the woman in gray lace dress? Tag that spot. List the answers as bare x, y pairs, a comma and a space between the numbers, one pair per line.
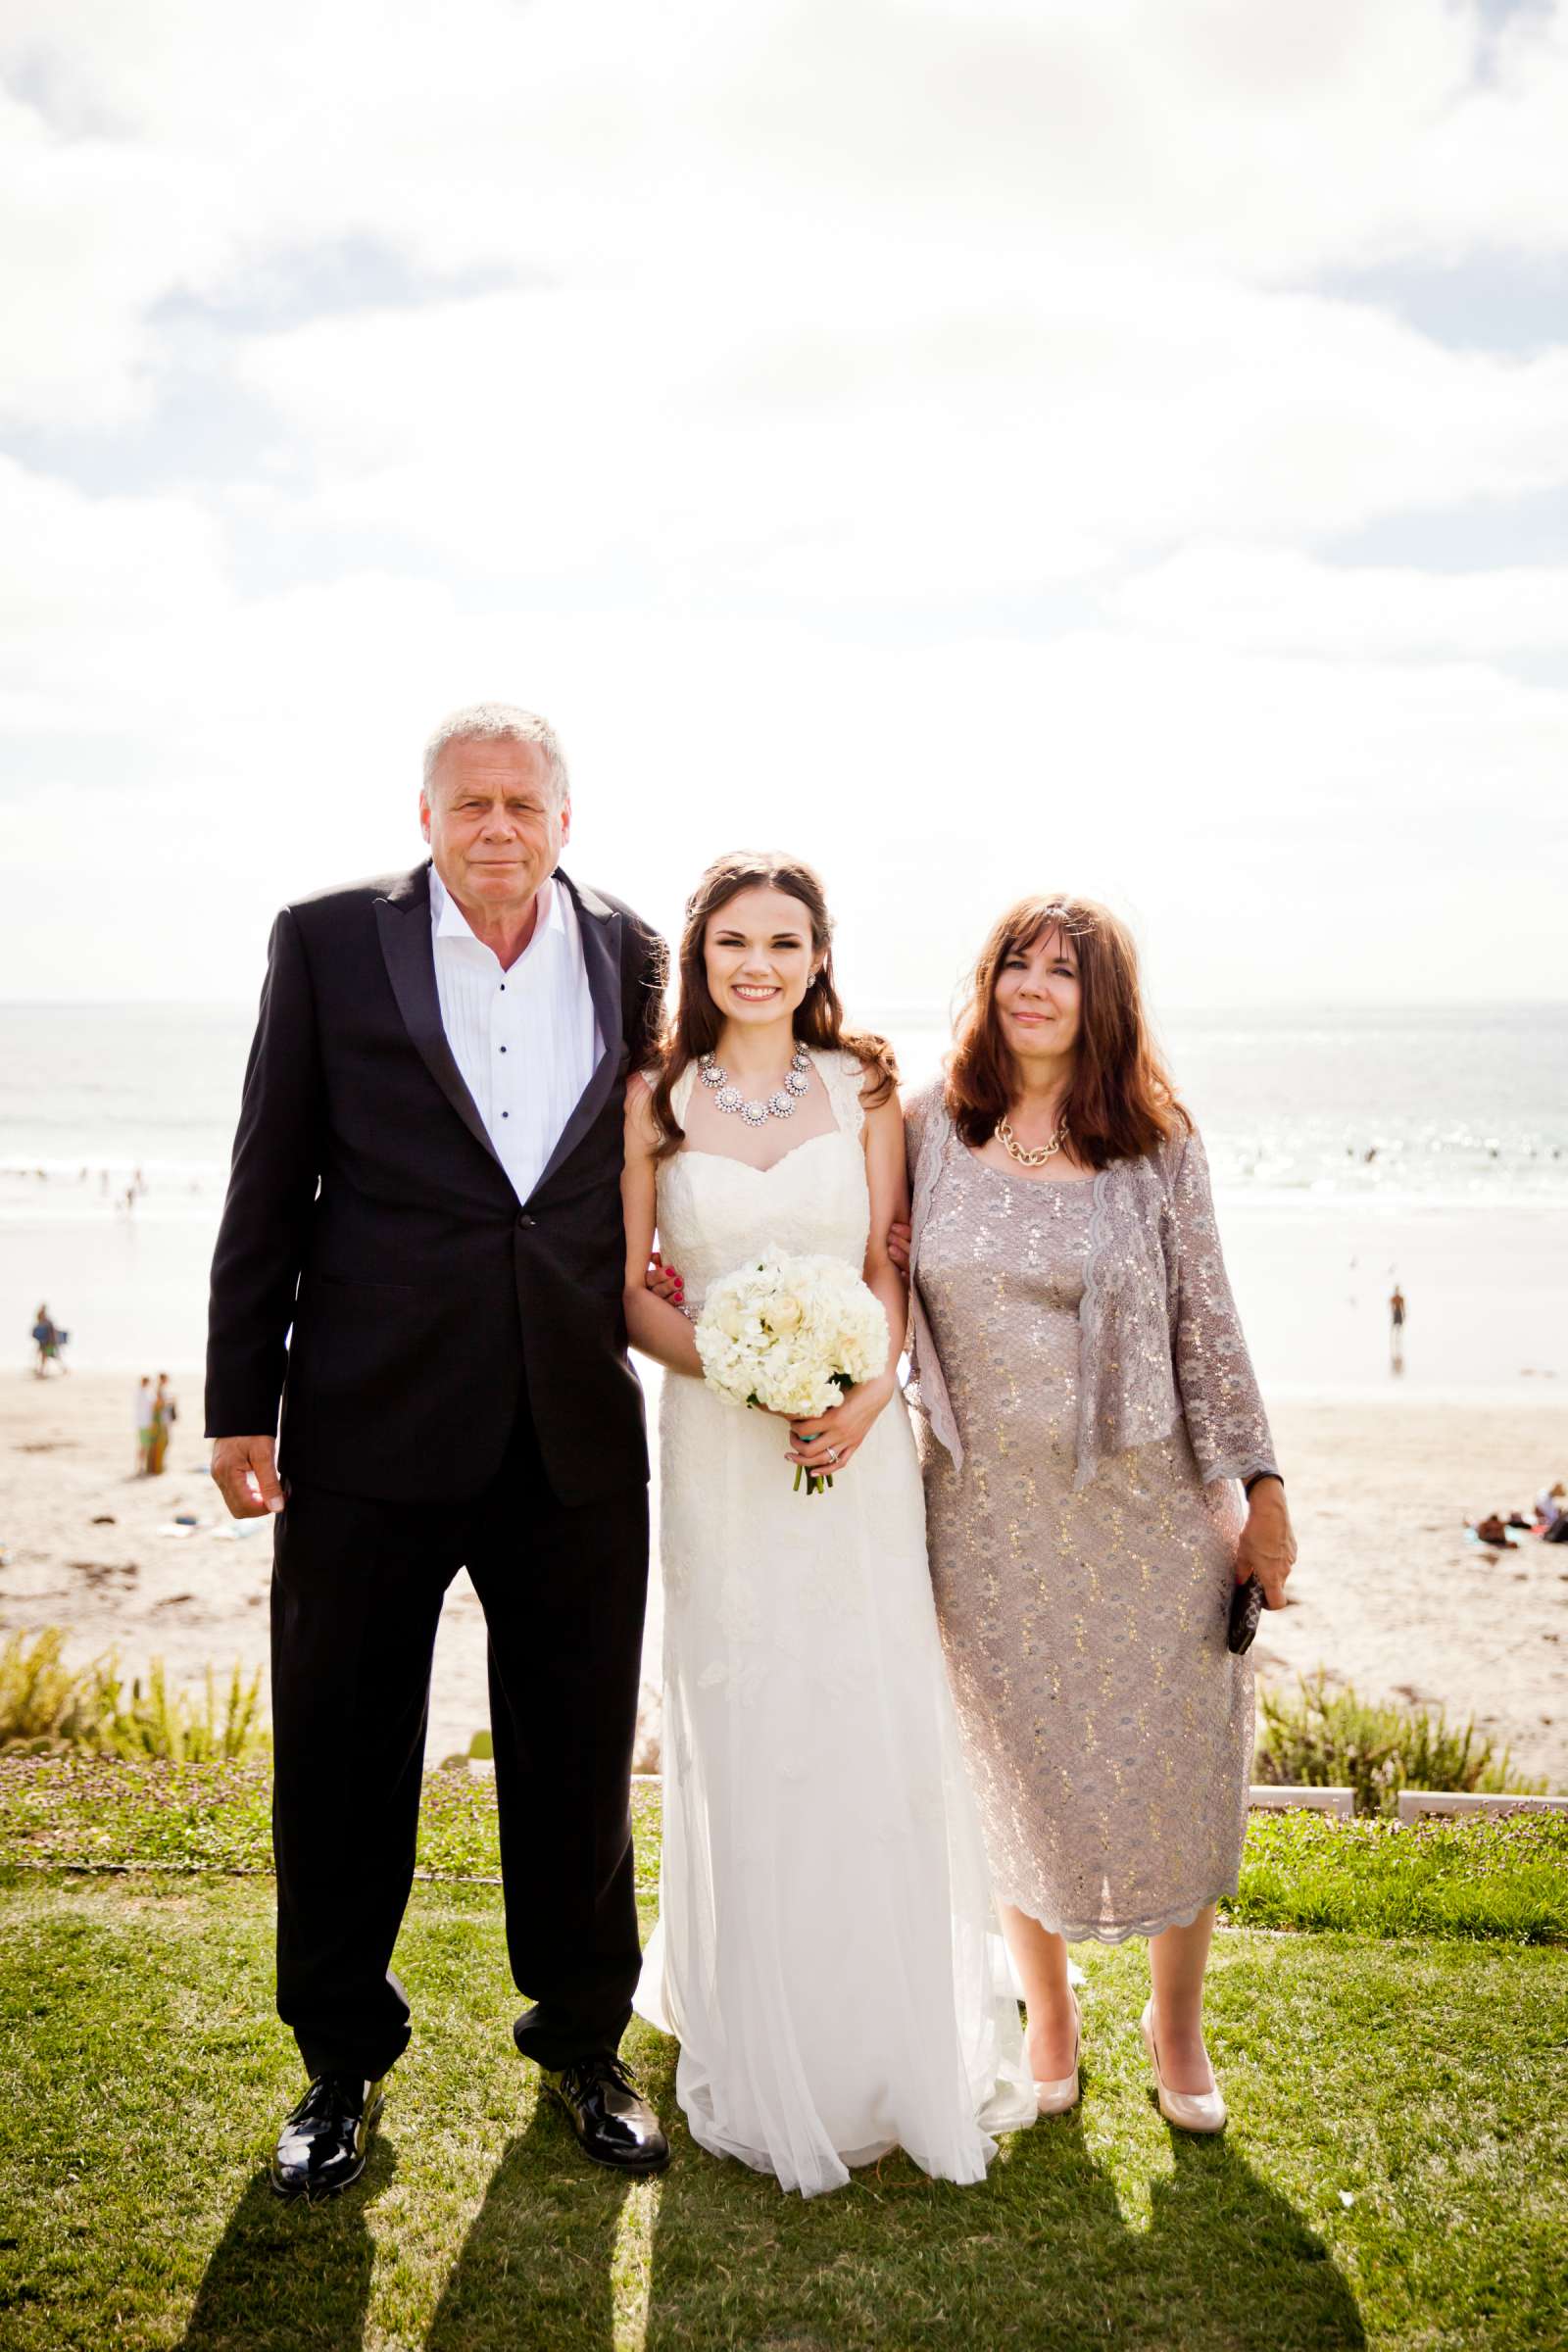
1085, 1409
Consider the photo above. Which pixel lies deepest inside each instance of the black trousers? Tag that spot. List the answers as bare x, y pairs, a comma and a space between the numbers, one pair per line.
356, 1590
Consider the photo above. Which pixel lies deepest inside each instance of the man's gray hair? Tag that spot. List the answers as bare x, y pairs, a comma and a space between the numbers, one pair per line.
500, 722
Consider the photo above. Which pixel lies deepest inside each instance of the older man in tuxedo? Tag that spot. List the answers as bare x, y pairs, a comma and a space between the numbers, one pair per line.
421, 1261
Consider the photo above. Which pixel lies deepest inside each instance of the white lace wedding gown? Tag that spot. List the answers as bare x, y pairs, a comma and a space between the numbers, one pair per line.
827, 1949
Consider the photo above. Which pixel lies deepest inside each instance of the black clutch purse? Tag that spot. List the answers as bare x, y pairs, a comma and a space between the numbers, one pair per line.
1247, 1606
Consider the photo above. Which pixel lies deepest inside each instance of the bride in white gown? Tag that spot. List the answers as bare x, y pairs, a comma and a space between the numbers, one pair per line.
827, 1949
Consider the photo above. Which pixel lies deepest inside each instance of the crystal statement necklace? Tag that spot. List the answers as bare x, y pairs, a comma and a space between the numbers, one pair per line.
727, 1097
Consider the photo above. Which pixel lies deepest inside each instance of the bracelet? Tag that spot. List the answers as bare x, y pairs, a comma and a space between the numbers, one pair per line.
1256, 1478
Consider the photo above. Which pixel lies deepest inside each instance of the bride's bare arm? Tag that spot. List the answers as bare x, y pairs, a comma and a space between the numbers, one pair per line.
653, 1326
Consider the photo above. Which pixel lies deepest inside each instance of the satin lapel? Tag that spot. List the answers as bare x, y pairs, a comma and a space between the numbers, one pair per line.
402, 918
599, 926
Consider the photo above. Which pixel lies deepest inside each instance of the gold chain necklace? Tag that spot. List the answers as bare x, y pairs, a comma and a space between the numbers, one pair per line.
1035, 1157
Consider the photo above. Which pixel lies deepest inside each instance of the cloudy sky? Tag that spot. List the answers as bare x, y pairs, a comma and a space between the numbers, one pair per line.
982, 446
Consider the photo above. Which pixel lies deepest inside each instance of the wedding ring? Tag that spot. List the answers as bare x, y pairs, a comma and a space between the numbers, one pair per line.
832, 1454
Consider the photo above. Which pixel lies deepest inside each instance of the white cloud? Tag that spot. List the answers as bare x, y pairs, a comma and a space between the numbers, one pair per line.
1280, 600
719, 149
928, 452
905, 429
121, 562
1251, 812
92, 231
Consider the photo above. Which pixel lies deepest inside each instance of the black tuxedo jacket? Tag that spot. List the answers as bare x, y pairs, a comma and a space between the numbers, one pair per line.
368, 1210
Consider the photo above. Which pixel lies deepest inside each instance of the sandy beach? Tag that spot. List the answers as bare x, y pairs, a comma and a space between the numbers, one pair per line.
1388, 1595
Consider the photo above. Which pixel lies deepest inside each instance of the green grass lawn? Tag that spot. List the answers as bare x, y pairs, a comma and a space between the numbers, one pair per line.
1507, 1878
1392, 2175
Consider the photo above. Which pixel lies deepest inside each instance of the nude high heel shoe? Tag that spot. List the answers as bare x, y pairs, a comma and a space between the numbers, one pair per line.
1190, 2110
1055, 2099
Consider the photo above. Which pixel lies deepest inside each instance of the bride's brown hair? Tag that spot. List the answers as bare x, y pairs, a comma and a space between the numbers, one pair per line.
819, 1015
1122, 1102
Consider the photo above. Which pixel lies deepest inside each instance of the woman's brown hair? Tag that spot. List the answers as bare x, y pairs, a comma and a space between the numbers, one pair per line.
1122, 1102
819, 1015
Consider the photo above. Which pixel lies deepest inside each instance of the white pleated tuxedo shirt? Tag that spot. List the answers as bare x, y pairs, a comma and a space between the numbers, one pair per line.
526, 1041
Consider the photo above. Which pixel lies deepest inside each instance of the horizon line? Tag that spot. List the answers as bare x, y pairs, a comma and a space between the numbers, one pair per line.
909, 1008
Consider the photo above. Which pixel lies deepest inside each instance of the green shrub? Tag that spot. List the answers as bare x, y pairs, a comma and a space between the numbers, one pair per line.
176, 1726
38, 1690
46, 1704
1315, 1738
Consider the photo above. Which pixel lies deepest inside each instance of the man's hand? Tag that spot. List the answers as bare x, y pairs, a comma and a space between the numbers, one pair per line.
245, 1472
1267, 1546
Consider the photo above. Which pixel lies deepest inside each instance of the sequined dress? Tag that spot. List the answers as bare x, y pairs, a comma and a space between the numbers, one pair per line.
828, 1948
1107, 1727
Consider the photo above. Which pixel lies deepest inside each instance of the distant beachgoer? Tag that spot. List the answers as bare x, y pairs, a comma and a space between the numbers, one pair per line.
48, 1339
165, 1412
1493, 1530
1397, 1330
1552, 1505
144, 1427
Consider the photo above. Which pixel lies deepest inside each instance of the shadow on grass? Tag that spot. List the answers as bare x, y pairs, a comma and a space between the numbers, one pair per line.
1040, 2256
1259, 2274
284, 2275
535, 2269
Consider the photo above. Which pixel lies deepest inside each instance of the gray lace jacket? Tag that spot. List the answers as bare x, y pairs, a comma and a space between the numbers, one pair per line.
1159, 1339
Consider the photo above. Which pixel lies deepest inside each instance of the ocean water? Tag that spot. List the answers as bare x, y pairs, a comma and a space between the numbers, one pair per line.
1350, 1146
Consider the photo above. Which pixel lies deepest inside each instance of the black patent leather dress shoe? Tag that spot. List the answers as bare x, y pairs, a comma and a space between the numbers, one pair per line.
614, 2123
322, 2146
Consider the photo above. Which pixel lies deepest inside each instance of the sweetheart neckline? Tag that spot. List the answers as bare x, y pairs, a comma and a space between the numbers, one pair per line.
829, 1134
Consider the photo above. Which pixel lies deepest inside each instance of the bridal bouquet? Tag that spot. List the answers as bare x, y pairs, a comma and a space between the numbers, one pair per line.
791, 1335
